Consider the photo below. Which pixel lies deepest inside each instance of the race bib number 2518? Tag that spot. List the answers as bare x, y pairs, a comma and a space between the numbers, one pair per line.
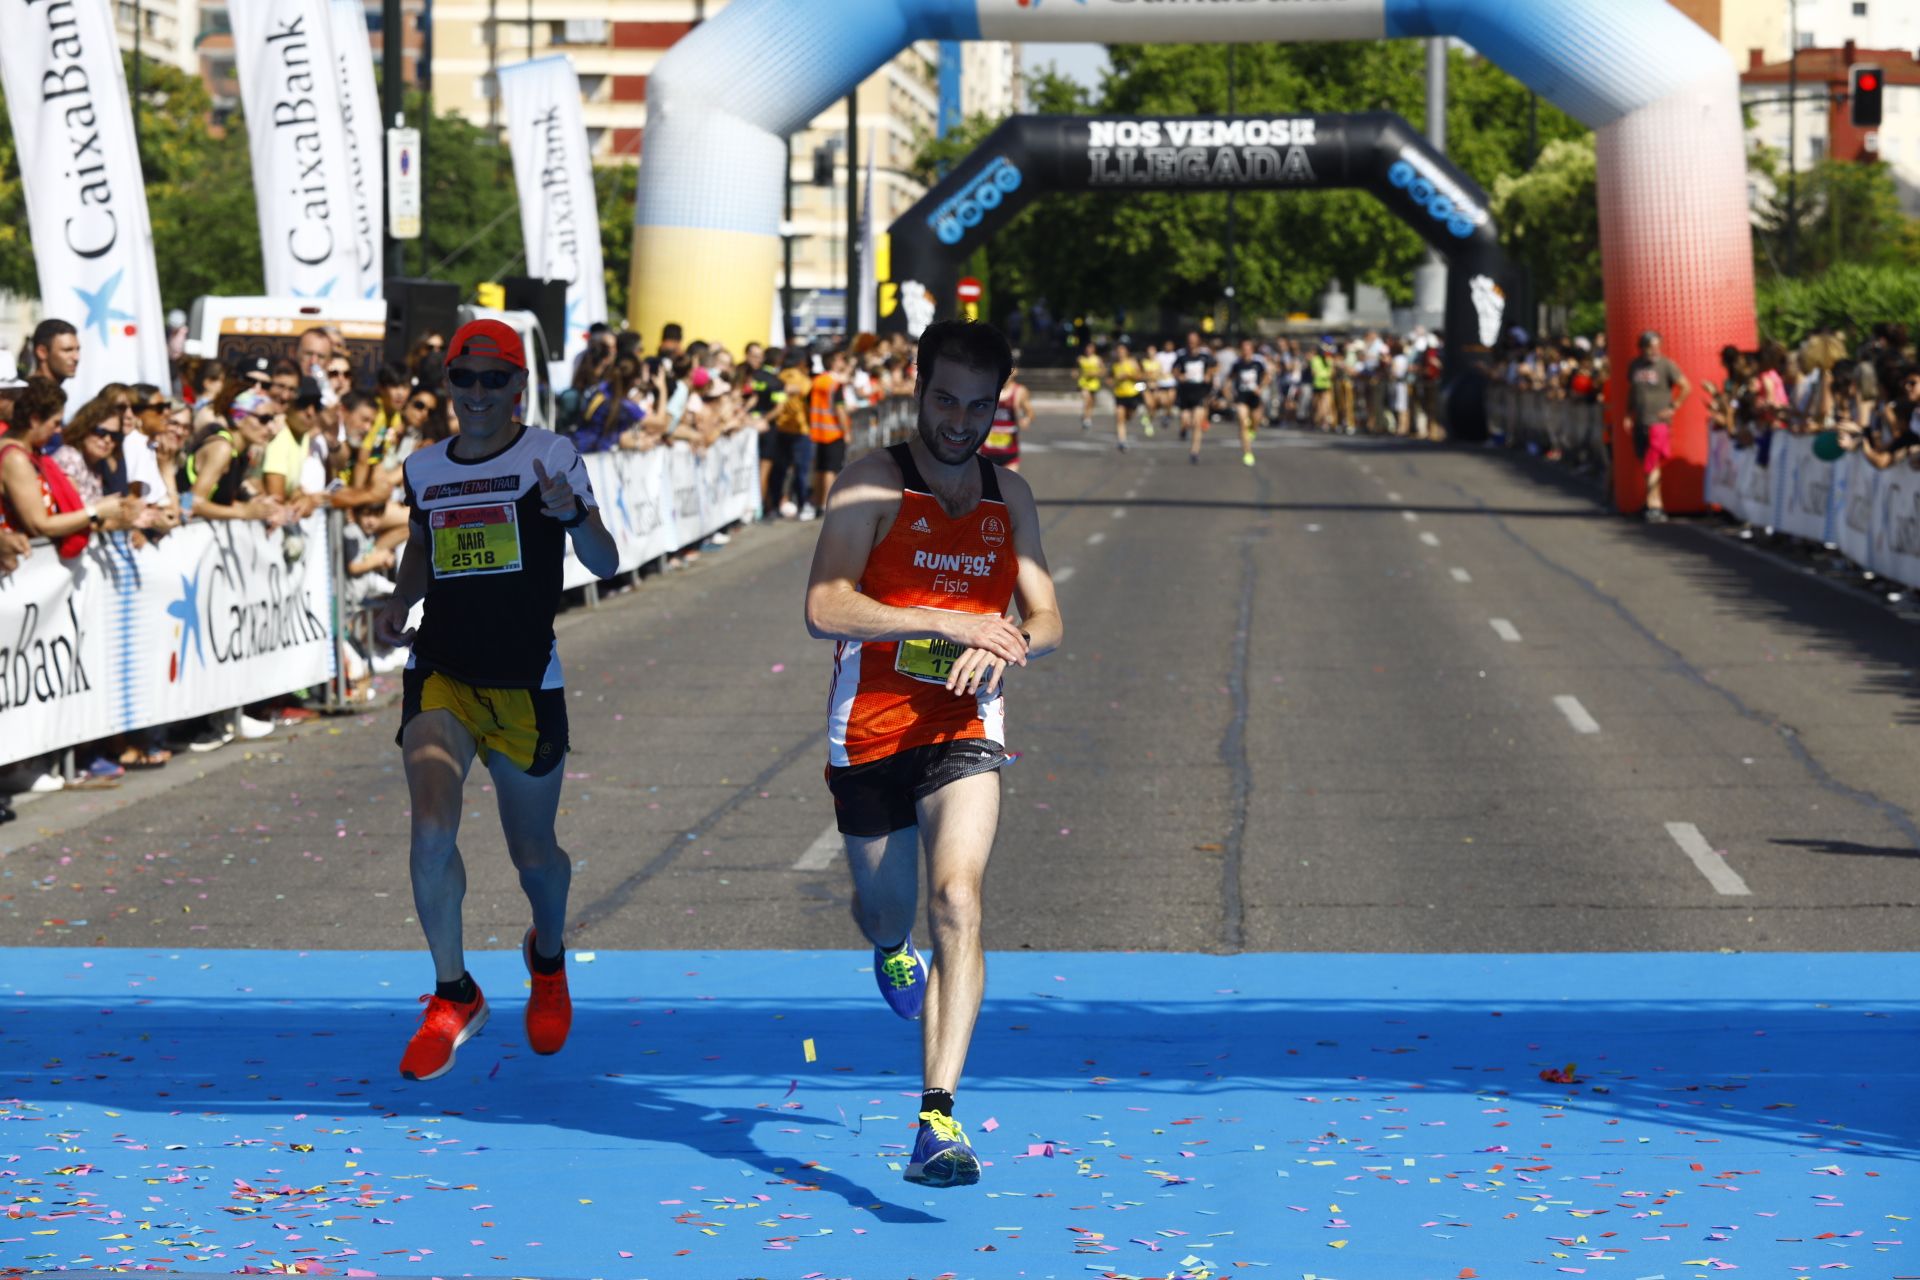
475, 540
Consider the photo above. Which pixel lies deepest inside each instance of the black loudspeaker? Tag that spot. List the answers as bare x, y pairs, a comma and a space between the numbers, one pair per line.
416, 307
547, 299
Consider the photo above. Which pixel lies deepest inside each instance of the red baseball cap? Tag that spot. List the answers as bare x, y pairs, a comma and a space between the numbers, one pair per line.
492, 338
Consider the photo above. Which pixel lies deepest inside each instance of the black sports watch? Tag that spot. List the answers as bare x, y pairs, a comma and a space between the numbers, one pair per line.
579, 516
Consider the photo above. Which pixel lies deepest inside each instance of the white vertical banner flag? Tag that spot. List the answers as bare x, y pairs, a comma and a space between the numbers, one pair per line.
290, 91
66, 92
867, 313
366, 157
559, 214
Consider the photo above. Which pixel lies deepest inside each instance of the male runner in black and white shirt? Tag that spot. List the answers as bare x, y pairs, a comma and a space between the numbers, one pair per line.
492, 509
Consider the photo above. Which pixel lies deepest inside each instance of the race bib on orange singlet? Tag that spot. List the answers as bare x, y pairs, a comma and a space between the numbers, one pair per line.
469, 541
927, 659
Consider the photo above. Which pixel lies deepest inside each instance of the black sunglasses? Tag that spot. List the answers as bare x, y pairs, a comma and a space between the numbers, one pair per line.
492, 379
419, 404
105, 433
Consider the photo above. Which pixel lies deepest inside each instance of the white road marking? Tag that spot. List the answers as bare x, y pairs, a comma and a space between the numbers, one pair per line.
1061, 574
1119, 513
1132, 494
823, 852
1411, 517
1431, 539
1095, 539
1392, 496
1461, 575
1505, 630
1576, 714
1707, 860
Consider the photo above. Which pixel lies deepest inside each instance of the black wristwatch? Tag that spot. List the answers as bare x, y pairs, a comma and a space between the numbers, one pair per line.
579, 516
1027, 638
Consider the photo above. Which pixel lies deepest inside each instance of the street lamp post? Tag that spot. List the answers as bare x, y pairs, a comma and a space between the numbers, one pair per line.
1793, 135
139, 20
1233, 304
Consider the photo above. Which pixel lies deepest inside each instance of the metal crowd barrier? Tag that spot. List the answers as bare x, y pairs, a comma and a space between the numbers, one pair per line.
1573, 428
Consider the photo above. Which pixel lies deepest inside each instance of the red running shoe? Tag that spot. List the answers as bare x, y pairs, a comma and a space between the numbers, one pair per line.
444, 1027
549, 1007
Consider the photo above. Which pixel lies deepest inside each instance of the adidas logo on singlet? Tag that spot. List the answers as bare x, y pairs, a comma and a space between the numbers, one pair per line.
921, 526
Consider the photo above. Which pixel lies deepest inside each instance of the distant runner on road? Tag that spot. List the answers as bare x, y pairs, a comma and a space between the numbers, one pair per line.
492, 509
924, 549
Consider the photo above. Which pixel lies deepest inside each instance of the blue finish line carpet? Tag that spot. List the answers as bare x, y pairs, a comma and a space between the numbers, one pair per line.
1341, 1117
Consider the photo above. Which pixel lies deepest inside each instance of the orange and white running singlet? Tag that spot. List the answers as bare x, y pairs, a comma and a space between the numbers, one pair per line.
891, 696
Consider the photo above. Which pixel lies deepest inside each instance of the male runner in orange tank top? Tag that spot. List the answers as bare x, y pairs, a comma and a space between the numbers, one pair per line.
924, 549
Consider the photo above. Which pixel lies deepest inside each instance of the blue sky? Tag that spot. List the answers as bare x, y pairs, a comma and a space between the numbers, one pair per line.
1081, 62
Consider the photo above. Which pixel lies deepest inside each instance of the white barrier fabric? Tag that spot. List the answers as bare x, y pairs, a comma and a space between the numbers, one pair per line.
1723, 474
664, 499
117, 639
1802, 488
1853, 510
66, 91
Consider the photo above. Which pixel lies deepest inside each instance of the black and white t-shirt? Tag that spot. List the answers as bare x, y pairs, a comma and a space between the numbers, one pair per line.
497, 559
1249, 374
1196, 367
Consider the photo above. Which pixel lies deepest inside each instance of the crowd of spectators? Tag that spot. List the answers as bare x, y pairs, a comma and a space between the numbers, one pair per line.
274, 439
1860, 391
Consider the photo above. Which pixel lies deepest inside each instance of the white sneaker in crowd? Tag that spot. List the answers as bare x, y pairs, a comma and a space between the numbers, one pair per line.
250, 728
808, 513
787, 510
48, 781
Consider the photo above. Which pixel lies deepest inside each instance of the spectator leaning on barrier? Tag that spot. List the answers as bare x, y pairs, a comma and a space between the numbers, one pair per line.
1895, 433
214, 471
36, 498
98, 470
149, 464
612, 410
295, 468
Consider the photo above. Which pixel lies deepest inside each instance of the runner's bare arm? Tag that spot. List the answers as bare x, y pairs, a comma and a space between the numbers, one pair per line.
1033, 590
862, 497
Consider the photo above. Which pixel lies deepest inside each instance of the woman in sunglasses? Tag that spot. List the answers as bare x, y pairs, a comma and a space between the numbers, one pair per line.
90, 452
494, 508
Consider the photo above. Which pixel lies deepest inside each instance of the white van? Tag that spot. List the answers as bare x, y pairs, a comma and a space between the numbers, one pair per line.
230, 328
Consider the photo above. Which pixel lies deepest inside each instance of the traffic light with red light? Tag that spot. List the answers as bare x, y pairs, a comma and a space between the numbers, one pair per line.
1866, 83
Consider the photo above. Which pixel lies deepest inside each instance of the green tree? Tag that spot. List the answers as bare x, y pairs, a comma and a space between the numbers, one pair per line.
472, 207
1551, 224
614, 187
1842, 212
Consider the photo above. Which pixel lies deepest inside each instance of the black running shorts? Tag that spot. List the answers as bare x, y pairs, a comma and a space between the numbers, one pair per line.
831, 456
877, 798
1193, 395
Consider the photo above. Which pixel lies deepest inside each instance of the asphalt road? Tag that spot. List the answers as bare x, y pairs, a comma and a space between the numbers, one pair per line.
1365, 696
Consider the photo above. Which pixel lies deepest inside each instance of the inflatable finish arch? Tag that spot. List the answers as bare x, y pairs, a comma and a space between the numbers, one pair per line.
1661, 94
1030, 156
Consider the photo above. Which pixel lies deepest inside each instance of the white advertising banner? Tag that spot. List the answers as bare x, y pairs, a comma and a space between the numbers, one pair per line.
664, 499
1802, 488
1853, 509
366, 165
302, 186
66, 93
213, 616
1896, 525
559, 213
1723, 475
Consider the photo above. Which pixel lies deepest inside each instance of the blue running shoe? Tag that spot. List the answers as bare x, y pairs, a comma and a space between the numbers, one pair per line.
902, 979
941, 1156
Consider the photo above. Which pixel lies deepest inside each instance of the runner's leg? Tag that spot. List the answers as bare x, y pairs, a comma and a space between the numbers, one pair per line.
527, 809
959, 821
886, 884
438, 751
